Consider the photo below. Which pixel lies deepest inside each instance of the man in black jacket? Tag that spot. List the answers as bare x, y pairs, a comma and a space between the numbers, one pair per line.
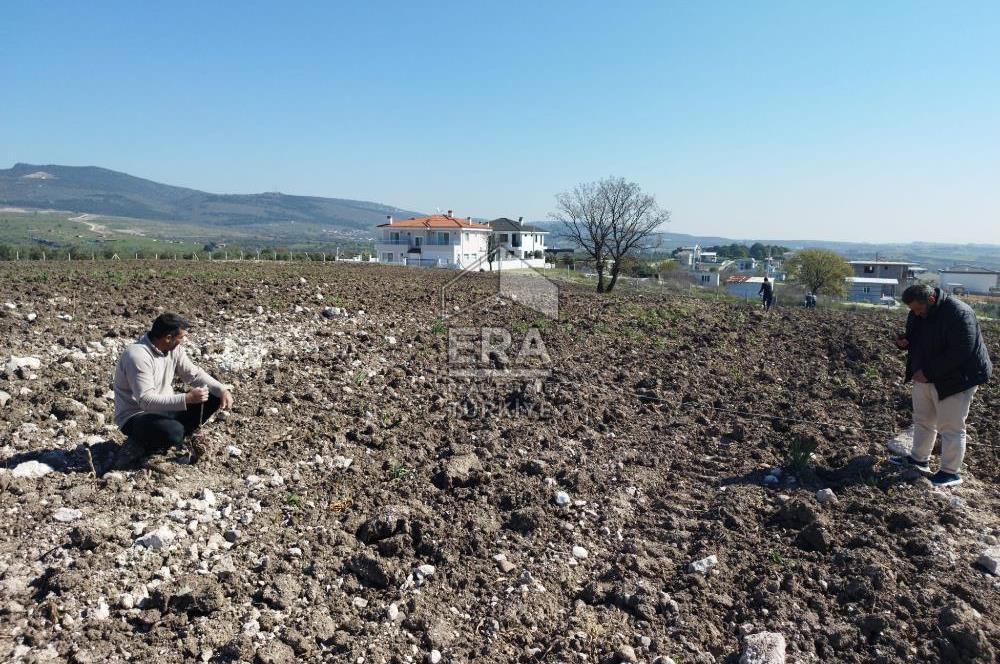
946, 360
766, 292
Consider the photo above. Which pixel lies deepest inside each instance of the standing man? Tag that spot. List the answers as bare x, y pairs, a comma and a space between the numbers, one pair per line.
766, 293
947, 361
147, 409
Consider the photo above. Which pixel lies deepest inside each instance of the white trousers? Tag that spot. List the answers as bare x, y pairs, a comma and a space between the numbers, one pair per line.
933, 416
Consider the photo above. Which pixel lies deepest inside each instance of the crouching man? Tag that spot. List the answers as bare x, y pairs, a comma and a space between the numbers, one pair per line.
147, 409
947, 361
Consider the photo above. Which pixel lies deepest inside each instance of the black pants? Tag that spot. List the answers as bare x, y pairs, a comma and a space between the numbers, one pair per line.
157, 431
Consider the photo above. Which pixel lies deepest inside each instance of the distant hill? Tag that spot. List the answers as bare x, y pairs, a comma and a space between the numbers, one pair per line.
105, 192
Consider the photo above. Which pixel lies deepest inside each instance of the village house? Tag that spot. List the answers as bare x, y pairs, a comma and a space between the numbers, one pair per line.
903, 272
965, 279
440, 240
516, 240
744, 286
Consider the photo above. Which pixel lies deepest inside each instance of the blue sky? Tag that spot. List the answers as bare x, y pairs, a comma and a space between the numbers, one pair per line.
849, 120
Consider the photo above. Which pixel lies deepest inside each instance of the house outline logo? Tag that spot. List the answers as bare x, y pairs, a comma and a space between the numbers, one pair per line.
526, 285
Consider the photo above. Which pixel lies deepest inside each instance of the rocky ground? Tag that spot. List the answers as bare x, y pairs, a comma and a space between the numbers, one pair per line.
648, 498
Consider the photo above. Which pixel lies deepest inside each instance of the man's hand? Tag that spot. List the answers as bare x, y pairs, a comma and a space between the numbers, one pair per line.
197, 395
919, 377
902, 342
227, 400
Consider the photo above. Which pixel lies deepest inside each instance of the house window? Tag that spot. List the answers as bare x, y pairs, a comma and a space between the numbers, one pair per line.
503, 237
388, 256
465, 237
866, 290
869, 269
442, 237
394, 237
705, 278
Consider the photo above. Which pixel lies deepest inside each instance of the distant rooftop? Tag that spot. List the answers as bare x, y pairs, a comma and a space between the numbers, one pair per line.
436, 221
907, 263
967, 270
506, 225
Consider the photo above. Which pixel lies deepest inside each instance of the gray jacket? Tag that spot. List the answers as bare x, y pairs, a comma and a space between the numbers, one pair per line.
144, 380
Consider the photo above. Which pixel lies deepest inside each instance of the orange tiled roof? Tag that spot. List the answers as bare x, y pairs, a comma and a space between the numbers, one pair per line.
436, 221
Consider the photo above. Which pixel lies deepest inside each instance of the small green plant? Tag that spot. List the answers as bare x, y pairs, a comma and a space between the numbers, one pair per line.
871, 372
293, 500
776, 557
360, 376
438, 327
800, 453
398, 471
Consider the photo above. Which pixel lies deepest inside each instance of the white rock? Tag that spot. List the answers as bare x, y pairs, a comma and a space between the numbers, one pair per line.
580, 553
127, 601
208, 496
233, 451
158, 539
4, 398
33, 469
10, 305
390, 340
66, 514
101, 612
562, 498
825, 496
341, 462
702, 566
426, 570
434, 656
763, 648
277, 480
360, 602
31, 317
393, 611
990, 560
15, 363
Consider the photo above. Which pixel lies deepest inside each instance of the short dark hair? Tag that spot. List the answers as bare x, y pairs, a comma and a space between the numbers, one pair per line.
917, 293
166, 324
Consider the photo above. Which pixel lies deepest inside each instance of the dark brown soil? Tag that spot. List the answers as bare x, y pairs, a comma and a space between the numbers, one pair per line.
381, 508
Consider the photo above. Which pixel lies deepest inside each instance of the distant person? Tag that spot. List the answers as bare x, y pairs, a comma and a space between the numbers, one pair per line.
147, 409
947, 361
766, 293
810, 300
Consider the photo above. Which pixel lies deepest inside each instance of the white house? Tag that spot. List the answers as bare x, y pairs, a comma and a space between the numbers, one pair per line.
439, 240
707, 277
969, 279
515, 240
744, 286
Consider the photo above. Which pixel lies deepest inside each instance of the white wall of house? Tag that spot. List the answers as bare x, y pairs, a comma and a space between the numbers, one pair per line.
707, 278
972, 282
453, 247
521, 245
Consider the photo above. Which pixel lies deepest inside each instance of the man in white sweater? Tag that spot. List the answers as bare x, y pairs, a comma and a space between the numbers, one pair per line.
147, 409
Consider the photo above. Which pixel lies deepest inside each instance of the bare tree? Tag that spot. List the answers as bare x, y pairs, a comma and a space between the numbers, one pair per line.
610, 220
